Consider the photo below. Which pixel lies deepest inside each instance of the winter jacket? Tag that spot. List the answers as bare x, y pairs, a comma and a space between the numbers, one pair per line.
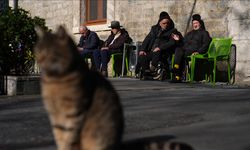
149, 40
118, 44
165, 41
91, 41
197, 40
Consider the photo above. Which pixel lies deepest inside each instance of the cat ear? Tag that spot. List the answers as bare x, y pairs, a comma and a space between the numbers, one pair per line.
39, 31
61, 32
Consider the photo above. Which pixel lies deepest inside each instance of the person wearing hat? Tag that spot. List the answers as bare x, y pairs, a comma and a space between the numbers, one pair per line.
156, 45
148, 42
113, 44
195, 42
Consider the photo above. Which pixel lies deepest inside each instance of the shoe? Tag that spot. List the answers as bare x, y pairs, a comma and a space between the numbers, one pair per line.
157, 77
145, 75
161, 75
176, 79
153, 68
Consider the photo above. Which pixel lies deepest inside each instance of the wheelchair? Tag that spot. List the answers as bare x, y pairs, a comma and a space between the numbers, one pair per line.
161, 72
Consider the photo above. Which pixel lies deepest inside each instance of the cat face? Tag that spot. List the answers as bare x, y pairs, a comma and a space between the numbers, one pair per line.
55, 52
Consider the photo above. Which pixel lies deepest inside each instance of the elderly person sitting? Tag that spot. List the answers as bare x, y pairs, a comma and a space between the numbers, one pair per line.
158, 43
88, 44
114, 44
195, 42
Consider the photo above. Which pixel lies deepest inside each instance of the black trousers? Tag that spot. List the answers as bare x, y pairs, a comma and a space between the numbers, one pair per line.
180, 54
155, 58
144, 60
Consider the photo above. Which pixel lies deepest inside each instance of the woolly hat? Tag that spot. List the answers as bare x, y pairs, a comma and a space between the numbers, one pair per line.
163, 15
196, 17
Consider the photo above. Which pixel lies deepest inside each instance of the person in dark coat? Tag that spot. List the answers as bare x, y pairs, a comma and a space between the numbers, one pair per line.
195, 42
114, 44
88, 44
151, 37
158, 43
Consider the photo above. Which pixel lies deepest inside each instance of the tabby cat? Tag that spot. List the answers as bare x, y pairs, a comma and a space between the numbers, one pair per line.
83, 107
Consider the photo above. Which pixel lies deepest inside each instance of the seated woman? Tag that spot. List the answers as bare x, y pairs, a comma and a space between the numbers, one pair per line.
114, 44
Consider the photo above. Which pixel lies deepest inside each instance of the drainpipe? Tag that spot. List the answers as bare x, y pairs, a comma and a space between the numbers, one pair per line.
190, 17
114, 10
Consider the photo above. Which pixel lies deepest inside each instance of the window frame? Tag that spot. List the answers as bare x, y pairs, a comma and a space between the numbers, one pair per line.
99, 13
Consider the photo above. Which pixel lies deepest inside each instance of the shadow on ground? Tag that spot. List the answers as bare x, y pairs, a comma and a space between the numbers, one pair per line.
155, 143
26, 145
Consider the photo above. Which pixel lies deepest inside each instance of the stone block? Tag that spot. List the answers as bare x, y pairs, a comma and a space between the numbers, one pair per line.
239, 9
243, 57
239, 29
23, 85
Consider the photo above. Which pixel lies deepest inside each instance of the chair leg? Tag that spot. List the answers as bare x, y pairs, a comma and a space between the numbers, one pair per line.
207, 72
228, 71
114, 73
214, 72
127, 66
192, 67
113, 65
172, 66
187, 71
188, 75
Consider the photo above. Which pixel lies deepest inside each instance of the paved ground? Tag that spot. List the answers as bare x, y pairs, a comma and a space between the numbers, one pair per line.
204, 116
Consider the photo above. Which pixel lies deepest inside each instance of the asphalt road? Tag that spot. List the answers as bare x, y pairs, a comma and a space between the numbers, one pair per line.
204, 116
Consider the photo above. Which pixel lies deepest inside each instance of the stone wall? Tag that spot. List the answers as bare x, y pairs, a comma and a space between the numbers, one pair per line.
223, 18
55, 12
239, 29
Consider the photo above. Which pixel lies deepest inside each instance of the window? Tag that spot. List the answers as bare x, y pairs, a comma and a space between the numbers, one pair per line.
96, 11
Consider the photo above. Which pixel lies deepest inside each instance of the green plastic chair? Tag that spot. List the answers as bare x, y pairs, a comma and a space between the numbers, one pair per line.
219, 50
222, 52
113, 60
124, 61
191, 62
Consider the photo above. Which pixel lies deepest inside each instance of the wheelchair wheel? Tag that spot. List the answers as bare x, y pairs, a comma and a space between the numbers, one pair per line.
232, 61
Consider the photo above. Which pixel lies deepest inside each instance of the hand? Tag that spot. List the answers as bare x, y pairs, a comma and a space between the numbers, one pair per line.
104, 48
175, 37
141, 53
195, 53
156, 49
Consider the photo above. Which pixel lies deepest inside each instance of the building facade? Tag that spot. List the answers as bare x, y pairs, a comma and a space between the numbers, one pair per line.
222, 18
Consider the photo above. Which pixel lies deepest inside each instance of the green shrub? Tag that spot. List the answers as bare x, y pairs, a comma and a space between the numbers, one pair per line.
17, 41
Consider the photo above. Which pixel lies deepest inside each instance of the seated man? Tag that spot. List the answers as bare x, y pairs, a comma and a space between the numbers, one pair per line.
114, 44
158, 43
195, 42
88, 44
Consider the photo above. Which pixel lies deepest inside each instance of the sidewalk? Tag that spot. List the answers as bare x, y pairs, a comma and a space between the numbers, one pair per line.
204, 116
